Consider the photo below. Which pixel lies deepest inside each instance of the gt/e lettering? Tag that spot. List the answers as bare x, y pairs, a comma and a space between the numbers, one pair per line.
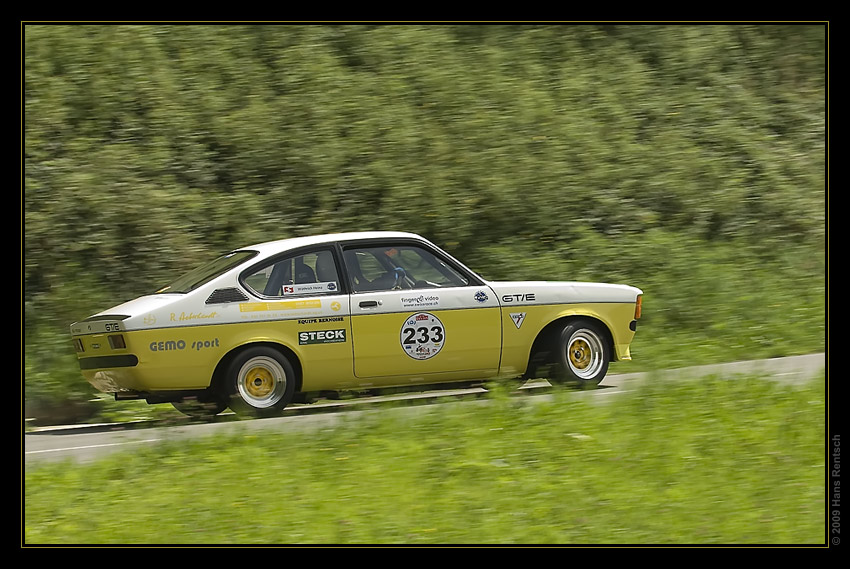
529, 297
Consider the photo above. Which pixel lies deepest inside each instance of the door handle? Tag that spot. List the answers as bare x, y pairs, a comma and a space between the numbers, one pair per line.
368, 304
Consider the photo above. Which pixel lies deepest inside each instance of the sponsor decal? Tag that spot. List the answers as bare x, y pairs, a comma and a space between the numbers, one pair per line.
314, 288
518, 318
178, 345
422, 336
481, 296
321, 337
150, 319
335, 306
188, 316
320, 320
167, 345
529, 297
421, 301
284, 305
202, 344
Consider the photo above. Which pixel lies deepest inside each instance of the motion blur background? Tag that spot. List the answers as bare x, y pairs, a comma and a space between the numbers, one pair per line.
687, 160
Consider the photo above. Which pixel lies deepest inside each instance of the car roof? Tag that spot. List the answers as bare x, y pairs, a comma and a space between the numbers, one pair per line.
295, 242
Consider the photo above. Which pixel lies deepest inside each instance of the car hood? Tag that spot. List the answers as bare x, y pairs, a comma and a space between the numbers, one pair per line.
545, 292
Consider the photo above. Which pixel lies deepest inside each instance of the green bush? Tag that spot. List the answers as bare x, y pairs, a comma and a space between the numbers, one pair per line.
688, 160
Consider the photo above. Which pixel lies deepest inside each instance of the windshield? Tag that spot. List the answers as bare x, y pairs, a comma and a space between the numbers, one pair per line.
205, 273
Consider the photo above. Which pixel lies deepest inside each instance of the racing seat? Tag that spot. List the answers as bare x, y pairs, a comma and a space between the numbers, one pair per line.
353, 266
303, 273
325, 267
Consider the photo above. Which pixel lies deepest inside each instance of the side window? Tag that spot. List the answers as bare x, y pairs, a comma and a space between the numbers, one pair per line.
306, 274
398, 267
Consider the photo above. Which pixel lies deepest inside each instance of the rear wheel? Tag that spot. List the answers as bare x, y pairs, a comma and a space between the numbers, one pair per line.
261, 382
582, 353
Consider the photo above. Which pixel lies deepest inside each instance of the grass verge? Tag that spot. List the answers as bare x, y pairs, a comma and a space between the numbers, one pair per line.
712, 461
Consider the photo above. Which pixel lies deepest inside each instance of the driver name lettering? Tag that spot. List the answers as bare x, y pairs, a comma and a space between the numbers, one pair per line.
316, 288
184, 316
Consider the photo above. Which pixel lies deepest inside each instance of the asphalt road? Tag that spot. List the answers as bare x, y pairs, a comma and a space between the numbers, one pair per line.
90, 442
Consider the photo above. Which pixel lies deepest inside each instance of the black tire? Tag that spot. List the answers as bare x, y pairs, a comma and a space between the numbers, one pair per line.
200, 407
582, 353
260, 382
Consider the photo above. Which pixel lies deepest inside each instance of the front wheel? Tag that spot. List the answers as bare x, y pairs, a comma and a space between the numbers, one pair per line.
583, 354
261, 382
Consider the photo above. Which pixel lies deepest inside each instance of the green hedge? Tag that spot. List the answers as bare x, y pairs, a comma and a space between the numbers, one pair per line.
685, 157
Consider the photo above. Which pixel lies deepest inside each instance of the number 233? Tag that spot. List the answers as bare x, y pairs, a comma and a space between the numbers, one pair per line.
424, 336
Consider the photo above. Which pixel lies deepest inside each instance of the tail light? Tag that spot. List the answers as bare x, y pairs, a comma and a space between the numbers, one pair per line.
638, 306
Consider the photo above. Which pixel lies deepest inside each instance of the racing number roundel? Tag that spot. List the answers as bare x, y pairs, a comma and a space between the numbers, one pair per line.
422, 336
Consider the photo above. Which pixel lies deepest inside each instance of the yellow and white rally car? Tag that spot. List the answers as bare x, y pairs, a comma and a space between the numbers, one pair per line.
268, 324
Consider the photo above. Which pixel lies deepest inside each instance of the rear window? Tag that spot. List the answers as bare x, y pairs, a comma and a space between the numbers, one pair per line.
205, 273
309, 273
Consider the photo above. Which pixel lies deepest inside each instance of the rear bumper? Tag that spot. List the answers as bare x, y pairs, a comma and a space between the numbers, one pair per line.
103, 362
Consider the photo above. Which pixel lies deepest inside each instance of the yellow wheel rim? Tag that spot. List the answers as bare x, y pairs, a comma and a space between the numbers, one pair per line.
580, 354
585, 354
259, 382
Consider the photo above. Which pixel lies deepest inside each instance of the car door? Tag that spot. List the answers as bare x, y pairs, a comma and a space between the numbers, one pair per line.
418, 315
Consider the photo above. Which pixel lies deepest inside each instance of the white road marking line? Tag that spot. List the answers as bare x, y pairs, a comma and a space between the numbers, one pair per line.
90, 446
614, 392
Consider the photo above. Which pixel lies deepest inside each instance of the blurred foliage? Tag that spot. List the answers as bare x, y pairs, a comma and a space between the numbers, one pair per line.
626, 153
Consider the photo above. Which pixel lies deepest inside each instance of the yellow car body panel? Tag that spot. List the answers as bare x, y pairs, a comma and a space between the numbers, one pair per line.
517, 342
471, 343
186, 358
